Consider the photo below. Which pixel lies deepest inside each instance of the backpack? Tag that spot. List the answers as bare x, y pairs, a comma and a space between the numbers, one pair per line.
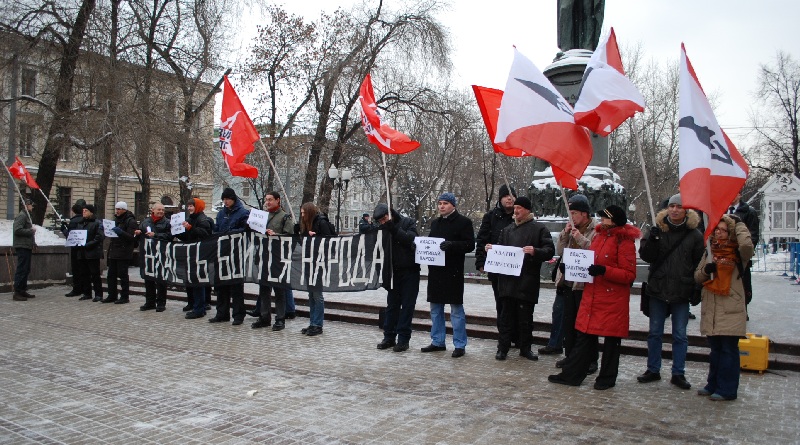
324, 220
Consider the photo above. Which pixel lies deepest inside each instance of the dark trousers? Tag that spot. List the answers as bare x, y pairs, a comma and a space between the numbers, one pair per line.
264, 303
198, 300
190, 292
155, 293
516, 314
572, 302
585, 352
498, 304
723, 365
232, 293
89, 273
118, 269
557, 329
400, 303
747, 282
73, 268
23, 269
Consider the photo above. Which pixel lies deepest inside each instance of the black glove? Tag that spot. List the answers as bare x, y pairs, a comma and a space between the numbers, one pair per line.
655, 232
562, 267
710, 268
118, 230
446, 245
596, 269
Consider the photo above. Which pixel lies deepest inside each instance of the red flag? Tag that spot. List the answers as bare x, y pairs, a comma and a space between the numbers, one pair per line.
607, 98
712, 172
489, 100
19, 171
236, 134
388, 140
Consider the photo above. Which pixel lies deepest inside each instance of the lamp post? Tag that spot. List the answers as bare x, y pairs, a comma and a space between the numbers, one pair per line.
340, 182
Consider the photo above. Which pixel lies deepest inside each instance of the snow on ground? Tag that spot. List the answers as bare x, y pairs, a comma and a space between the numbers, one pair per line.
44, 237
772, 262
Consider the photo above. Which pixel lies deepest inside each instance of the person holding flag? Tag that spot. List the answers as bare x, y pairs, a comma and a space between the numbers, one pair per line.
23, 244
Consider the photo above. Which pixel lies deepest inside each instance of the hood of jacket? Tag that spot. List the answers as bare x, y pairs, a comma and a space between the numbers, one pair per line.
627, 231
199, 205
692, 220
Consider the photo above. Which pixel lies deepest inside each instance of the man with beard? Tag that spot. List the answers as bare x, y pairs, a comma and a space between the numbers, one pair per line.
120, 253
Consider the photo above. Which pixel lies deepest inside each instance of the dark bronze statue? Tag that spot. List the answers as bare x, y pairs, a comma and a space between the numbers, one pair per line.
579, 23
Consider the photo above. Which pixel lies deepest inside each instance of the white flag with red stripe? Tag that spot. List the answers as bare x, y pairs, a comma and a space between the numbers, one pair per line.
607, 98
535, 118
712, 172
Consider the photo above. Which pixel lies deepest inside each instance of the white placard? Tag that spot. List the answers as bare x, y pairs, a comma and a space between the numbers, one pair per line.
429, 251
176, 223
108, 228
505, 260
76, 238
576, 262
258, 220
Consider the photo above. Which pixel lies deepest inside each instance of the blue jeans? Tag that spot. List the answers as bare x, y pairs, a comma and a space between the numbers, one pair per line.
400, 303
457, 319
680, 318
289, 301
723, 368
316, 307
199, 300
557, 332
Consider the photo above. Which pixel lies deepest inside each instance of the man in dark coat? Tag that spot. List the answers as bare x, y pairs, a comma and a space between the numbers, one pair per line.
446, 283
364, 225
404, 286
198, 227
520, 294
24, 242
155, 227
120, 253
673, 249
749, 216
231, 219
90, 254
72, 224
492, 224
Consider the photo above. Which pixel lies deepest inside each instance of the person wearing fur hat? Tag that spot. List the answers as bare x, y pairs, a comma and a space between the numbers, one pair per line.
521, 293
673, 249
198, 227
446, 283
66, 226
120, 254
230, 297
723, 313
493, 222
605, 305
90, 254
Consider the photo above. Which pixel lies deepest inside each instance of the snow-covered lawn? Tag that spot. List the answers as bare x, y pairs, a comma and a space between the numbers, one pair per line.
44, 237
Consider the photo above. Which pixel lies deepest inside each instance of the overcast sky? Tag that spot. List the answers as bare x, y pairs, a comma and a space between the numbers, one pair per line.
726, 41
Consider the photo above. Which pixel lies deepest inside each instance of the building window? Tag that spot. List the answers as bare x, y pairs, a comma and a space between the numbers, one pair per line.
140, 205
169, 157
355, 222
784, 214
346, 222
65, 201
194, 162
26, 139
65, 153
28, 82
245, 190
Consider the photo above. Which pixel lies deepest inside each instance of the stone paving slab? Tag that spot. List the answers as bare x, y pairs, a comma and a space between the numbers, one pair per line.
90, 373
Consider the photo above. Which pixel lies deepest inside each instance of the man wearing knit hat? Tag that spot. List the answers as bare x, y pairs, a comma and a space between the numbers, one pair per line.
673, 249
446, 283
231, 219
120, 254
521, 293
494, 221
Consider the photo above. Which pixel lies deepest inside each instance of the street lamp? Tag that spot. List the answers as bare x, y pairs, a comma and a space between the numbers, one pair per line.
340, 182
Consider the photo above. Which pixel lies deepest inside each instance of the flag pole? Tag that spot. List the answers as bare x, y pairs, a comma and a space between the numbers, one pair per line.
51, 205
566, 204
503, 172
278, 176
386, 177
19, 193
644, 170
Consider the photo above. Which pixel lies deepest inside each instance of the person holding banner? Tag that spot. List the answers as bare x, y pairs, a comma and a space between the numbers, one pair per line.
66, 226
231, 219
89, 255
279, 223
313, 223
24, 242
198, 227
605, 305
521, 293
446, 283
155, 227
120, 253
403, 288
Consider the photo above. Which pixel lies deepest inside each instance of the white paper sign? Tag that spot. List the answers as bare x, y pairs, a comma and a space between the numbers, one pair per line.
258, 220
505, 260
176, 223
576, 262
429, 251
76, 238
108, 228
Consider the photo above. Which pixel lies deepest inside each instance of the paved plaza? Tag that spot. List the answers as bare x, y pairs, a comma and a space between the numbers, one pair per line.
79, 372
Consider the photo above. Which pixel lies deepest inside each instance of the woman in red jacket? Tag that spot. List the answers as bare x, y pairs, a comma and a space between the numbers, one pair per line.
605, 306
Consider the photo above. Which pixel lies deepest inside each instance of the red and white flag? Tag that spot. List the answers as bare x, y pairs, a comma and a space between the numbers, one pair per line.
19, 171
536, 119
489, 100
237, 134
607, 98
712, 172
388, 140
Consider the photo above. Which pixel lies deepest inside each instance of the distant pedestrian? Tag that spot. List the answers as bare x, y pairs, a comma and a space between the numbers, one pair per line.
90, 254
120, 254
24, 242
314, 223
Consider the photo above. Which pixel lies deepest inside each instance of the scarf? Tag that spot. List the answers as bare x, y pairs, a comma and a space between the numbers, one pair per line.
524, 219
724, 255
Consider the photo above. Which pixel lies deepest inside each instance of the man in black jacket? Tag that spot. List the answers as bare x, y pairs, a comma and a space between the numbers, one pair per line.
89, 255
198, 227
749, 217
492, 224
155, 227
77, 217
521, 293
404, 286
120, 253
